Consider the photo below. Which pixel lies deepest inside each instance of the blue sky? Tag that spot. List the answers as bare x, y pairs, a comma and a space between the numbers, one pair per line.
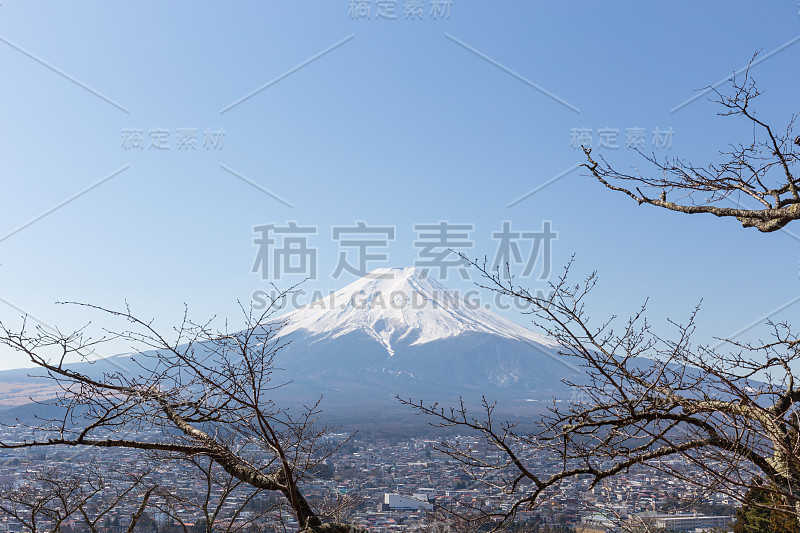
395, 123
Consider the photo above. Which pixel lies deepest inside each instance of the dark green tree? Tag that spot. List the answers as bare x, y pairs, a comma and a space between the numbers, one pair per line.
760, 513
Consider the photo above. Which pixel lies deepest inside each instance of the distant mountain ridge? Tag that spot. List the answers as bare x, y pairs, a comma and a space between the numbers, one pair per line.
394, 332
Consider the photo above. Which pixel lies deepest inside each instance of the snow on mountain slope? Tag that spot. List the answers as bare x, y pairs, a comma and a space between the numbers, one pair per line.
401, 304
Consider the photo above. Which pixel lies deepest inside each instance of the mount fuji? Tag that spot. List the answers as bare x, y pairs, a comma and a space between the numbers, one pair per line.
399, 331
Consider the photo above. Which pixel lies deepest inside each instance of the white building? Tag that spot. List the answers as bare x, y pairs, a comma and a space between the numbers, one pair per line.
691, 522
396, 501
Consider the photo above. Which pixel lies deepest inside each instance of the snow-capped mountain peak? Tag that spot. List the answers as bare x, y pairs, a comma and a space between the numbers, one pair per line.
401, 304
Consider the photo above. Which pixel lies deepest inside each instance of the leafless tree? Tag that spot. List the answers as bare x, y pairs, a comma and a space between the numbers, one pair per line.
763, 169
45, 503
339, 507
222, 502
49, 499
646, 400
201, 395
728, 412
449, 520
132, 488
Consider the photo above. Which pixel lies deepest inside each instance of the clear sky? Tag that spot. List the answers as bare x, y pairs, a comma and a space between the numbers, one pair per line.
191, 123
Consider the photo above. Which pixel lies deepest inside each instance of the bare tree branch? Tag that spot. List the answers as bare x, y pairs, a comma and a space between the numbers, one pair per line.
648, 400
762, 169
204, 396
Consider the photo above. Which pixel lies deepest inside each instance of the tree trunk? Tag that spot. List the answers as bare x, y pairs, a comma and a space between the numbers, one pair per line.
302, 510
